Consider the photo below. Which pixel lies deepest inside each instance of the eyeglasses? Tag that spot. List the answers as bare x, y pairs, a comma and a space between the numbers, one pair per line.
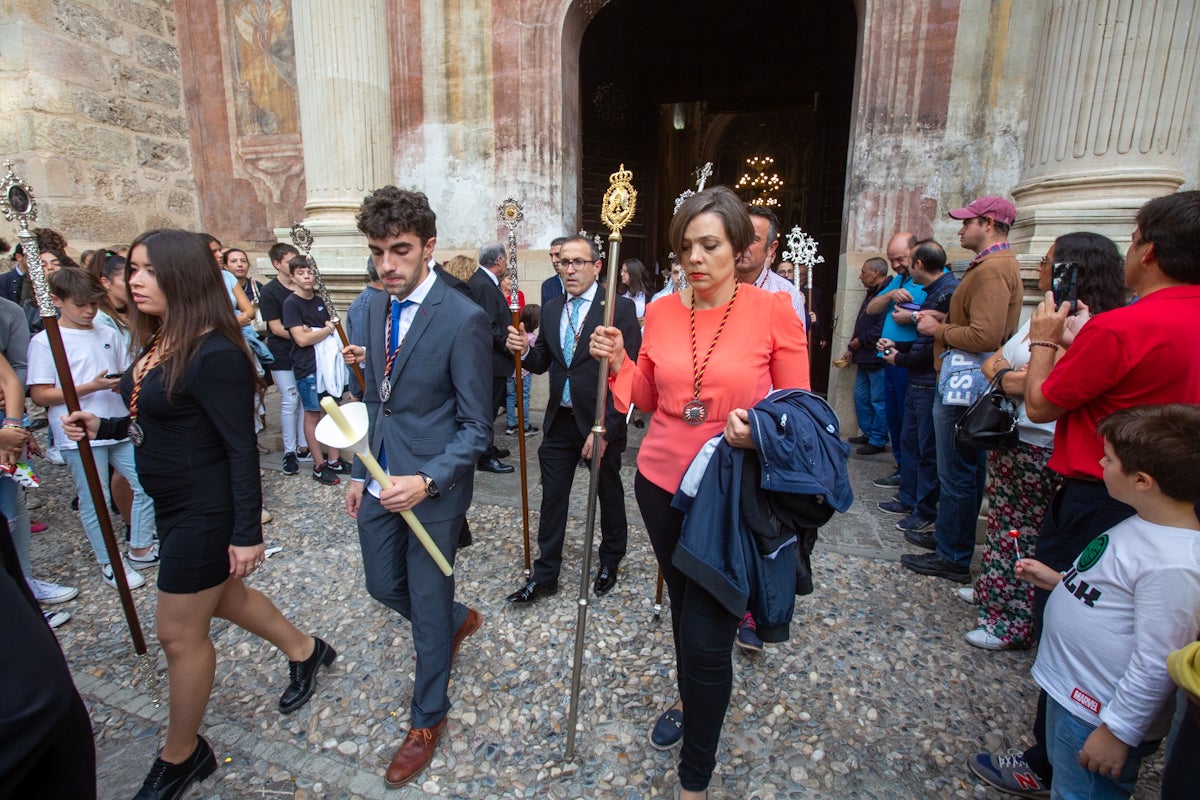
575, 263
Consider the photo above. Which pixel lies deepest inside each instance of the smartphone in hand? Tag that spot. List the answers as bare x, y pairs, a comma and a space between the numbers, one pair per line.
1064, 276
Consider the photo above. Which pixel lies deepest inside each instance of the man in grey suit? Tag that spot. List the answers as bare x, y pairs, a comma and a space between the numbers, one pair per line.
429, 422
561, 347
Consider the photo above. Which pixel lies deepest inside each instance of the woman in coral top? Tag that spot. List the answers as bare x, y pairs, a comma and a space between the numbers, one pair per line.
708, 353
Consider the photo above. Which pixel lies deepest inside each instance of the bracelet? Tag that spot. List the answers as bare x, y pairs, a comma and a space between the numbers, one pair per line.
14, 427
1051, 345
14, 421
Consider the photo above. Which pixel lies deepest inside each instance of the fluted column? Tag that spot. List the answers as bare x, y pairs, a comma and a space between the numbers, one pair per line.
344, 88
1114, 86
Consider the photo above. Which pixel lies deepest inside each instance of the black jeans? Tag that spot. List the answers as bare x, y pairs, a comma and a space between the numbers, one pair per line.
703, 632
1079, 512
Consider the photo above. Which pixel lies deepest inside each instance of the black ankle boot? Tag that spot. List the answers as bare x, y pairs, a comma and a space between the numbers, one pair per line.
304, 676
170, 781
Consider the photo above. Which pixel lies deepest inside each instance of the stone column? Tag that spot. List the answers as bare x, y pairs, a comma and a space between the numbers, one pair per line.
344, 89
1114, 83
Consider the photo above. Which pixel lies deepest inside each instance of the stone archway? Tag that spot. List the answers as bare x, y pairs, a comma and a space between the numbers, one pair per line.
663, 109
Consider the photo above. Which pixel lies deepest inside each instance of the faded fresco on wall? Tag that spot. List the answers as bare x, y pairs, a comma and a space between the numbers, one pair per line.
263, 52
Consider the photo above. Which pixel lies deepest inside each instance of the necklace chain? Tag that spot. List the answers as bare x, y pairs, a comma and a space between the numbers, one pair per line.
698, 370
148, 363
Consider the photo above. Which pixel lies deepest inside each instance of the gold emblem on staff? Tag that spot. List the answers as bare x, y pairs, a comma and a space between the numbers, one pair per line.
620, 200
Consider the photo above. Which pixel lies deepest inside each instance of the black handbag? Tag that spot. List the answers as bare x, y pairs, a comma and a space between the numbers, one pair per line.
990, 423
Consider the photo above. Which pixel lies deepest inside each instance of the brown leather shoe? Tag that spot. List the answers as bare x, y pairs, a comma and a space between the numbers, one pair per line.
414, 755
470, 625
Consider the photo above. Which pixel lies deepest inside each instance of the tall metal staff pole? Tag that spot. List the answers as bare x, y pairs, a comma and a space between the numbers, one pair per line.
616, 211
509, 214
18, 204
302, 237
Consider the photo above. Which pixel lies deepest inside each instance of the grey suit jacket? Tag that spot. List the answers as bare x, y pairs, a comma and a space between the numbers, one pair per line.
436, 421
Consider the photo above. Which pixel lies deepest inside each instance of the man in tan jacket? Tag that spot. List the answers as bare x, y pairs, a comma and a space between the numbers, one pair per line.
984, 312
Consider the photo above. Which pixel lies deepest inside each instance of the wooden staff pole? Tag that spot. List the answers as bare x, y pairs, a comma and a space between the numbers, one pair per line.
18, 203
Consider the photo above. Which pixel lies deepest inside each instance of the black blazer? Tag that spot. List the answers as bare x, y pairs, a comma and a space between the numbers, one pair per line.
488, 296
583, 371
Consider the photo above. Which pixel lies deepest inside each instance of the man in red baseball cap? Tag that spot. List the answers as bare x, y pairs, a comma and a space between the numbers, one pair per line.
984, 312
991, 207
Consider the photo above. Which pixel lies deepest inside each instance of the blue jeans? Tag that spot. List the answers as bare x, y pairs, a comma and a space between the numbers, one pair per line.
510, 402
869, 404
1065, 735
895, 386
306, 388
962, 475
120, 456
12, 506
919, 487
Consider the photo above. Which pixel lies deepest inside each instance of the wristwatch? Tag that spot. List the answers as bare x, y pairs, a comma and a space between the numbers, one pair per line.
431, 488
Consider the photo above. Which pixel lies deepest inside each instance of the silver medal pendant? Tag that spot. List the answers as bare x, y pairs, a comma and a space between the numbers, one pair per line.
136, 434
385, 390
695, 412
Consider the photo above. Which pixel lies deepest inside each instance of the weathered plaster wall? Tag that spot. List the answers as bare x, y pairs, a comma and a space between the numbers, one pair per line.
94, 116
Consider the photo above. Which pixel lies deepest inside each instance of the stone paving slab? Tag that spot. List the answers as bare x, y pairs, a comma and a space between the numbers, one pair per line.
876, 695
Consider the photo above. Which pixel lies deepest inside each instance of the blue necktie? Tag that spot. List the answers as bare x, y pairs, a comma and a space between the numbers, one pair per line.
393, 331
568, 344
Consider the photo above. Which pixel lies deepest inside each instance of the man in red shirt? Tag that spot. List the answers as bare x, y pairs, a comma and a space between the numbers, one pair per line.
1131, 356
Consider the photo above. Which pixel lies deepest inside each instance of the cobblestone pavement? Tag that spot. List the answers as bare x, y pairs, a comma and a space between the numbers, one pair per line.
876, 695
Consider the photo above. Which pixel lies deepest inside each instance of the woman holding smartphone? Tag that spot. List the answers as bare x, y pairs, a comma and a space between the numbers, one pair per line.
1020, 484
190, 398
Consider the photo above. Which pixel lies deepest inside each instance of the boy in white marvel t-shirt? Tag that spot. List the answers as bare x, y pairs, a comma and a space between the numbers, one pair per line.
97, 357
1131, 597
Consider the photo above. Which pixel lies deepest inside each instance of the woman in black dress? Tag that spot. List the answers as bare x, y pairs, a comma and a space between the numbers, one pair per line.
190, 397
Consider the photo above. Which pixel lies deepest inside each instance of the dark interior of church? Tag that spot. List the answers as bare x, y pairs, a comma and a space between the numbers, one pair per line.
764, 92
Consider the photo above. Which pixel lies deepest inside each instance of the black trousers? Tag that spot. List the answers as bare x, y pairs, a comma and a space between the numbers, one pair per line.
1181, 775
703, 632
558, 458
1079, 512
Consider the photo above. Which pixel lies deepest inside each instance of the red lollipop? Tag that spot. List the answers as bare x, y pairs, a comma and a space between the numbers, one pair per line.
1015, 534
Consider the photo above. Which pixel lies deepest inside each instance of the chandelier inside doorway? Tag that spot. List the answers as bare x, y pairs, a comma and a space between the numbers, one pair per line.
761, 182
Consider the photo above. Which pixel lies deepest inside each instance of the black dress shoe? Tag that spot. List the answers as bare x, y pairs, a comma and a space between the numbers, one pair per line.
606, 579
494, 465
531, 591
869, 449
921, 539
932, 564
304, 676
858, 440
170, 781
502, 452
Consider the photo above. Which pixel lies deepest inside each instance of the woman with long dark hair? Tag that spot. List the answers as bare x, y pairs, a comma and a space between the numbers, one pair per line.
190, 398
743, 342
1020, 484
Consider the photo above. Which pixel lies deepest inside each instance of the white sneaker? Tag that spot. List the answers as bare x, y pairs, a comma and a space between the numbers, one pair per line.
56, 618
53, 456
966, 594
981, 638
51, 593
265, 517
150, 559
132, 576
